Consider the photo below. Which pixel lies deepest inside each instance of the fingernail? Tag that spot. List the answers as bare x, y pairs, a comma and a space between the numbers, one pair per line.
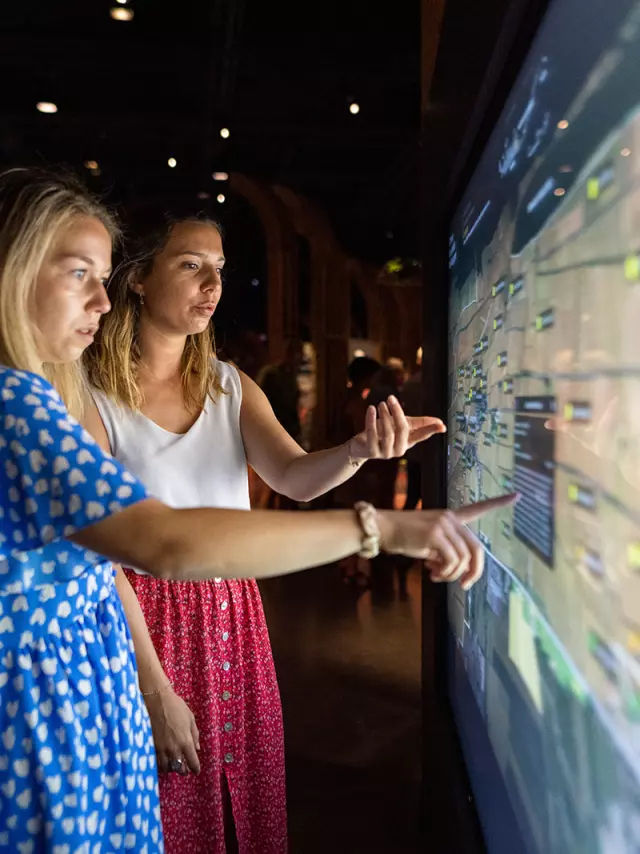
393, 399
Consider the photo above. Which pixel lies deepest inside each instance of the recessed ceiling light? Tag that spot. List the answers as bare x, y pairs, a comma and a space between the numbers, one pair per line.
91, 164
559, 191
121, 14
225, 133
172, 162
122, 2
220, 176
354, 109
221, 199
625, 152
563, 124
46, 107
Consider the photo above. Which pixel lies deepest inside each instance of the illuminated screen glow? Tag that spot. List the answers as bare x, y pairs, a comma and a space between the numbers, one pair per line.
544, 256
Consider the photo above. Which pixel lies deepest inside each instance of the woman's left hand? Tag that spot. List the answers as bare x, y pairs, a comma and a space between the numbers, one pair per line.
390, 433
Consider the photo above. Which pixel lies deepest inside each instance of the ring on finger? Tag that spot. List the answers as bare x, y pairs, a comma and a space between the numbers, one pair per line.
176, 764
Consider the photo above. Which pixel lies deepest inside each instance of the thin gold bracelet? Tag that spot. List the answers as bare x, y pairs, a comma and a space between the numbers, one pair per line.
157, 691
353, 463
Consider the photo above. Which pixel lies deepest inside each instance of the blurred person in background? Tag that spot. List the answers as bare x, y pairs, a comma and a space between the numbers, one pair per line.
279, 382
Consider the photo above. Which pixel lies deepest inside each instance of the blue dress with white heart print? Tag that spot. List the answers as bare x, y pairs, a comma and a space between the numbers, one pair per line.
77, 762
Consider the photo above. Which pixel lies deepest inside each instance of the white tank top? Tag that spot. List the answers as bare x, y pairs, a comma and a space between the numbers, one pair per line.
205, 467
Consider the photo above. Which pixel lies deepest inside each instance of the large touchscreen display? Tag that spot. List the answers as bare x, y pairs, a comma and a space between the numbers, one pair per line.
544, 380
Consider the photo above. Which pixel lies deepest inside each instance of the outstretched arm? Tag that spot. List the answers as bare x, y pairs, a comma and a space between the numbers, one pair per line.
289, 470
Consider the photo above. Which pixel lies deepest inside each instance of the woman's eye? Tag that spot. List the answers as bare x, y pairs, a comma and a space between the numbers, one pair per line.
79, 274
220, 271
190, 265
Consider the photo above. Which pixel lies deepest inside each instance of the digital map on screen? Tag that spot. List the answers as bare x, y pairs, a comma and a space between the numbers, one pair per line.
545, 400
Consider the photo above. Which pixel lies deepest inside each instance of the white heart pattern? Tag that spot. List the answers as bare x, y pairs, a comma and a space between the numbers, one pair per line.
67, 716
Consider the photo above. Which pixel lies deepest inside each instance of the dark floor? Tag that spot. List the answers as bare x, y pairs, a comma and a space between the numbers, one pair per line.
349, 670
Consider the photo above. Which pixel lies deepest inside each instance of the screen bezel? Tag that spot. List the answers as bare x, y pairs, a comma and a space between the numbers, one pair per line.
450, 820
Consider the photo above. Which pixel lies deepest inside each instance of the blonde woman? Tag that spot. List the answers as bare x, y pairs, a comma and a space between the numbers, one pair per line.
187, 425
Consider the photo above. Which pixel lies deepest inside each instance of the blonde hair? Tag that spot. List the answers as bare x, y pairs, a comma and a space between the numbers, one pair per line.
35, 204
113, 360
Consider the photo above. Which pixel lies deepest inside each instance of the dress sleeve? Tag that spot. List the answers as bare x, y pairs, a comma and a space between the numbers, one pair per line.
54, 478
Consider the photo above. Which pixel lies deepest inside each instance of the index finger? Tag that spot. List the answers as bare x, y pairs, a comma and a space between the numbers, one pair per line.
476, 511
191, 756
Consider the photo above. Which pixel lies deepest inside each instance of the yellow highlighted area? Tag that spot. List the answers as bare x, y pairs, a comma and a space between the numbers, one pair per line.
633, 555
522, 647
632, 268
593, 188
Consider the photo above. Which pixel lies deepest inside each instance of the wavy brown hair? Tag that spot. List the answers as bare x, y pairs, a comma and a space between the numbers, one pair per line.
113, 360
34, 205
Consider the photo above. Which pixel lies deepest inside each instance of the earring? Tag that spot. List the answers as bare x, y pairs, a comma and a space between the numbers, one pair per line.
141, 299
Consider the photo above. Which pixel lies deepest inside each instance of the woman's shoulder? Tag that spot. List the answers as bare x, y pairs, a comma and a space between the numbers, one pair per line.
24, 389
228, 375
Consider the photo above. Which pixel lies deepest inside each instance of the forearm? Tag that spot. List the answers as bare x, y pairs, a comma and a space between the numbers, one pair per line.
204, 543
256, 544
152, 676
312, 475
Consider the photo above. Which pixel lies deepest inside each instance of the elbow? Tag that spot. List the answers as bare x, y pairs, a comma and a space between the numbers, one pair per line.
302, 496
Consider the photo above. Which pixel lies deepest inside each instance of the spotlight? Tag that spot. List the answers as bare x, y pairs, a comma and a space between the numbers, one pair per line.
172, 162
220, 176
560, 191
46, 107
91, 165
225, 133
625, 152
221, 199
122, 2
563, 124
354, 109
121, 14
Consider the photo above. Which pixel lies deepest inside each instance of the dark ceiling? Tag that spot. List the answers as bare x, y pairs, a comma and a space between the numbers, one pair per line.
279, 75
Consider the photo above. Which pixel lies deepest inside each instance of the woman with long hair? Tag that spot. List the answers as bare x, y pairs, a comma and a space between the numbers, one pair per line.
77, 762
187, 425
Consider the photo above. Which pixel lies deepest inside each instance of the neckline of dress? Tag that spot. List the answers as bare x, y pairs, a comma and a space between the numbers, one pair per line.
171, 432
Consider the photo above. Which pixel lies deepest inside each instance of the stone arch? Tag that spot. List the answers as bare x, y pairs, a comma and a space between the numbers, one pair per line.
282, 261
330, 309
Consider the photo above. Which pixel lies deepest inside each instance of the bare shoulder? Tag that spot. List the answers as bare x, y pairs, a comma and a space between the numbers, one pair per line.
252, 395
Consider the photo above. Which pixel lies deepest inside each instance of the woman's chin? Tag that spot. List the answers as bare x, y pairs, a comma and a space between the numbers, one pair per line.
199, 324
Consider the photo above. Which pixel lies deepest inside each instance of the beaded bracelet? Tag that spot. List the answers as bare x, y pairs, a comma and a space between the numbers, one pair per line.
371, 530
